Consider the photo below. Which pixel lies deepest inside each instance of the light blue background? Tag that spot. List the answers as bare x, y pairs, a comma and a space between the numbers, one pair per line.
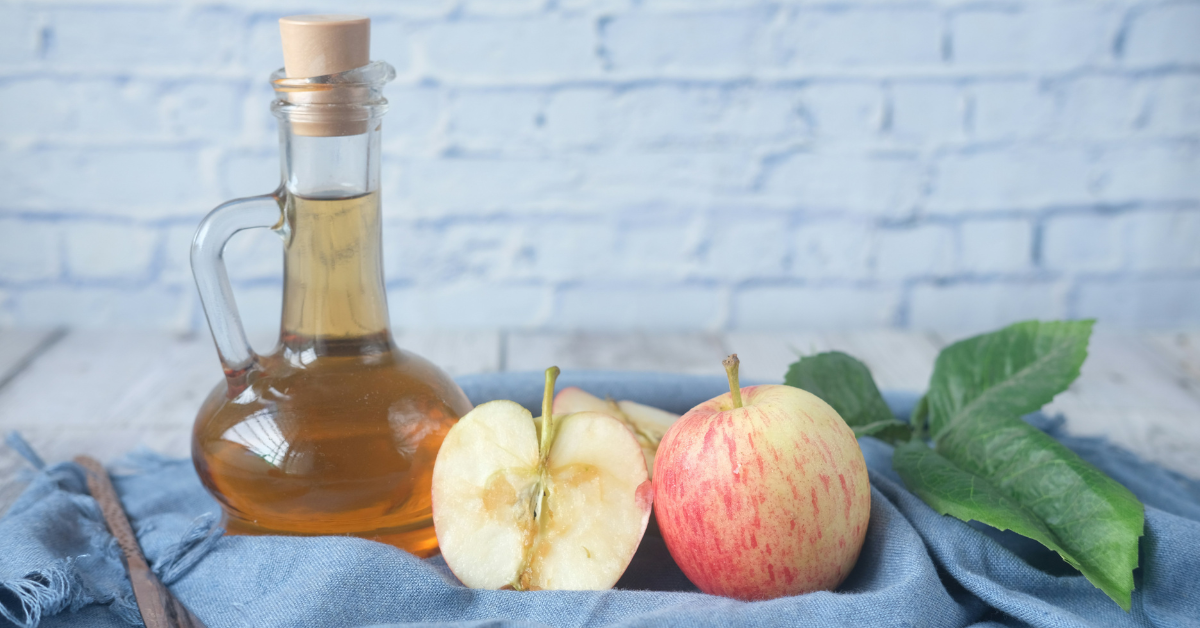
618, 164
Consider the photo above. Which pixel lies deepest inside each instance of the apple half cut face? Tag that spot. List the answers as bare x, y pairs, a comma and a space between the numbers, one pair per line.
539, 504
648, 423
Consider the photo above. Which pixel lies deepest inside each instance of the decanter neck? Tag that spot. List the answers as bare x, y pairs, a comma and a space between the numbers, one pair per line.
334, 301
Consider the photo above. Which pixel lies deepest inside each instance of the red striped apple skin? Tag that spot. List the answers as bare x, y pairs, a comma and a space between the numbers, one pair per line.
764, 501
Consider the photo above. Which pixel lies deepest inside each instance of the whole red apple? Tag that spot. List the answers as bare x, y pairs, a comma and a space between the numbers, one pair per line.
762, 498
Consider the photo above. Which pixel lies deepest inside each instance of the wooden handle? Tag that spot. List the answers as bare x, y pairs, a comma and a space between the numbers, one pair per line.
158, 607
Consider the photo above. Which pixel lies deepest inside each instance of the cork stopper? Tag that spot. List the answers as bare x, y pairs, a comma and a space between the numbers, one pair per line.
318, 45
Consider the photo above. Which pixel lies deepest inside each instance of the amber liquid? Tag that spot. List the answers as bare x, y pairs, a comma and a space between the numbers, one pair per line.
337, 430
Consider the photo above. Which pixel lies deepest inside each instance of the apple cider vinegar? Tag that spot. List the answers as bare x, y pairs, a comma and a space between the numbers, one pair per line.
339, 431
336, 430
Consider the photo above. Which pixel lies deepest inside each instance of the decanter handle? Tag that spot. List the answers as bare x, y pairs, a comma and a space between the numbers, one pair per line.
212, 280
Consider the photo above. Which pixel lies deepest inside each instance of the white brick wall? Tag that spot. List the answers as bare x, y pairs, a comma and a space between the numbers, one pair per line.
616, 164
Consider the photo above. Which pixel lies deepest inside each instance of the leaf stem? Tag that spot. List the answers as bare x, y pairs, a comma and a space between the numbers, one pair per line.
731, 371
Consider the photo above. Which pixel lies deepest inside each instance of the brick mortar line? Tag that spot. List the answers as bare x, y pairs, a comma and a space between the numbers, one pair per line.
753, 78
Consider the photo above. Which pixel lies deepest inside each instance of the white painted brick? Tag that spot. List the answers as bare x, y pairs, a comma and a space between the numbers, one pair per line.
495, 120
694, 176
805, 308
435, 253
481, 185
544, 157
1174, 107
927, 111
570, 251
1164, 35
1041, 36
129, 181
502, 7
1146, 172
694, 115
843, 111
665, 114
1082, 243
120, 110
249, 173
833, 250
392, 41
996, 246
598, 6
650, 244
576, 117
177, 246
1141, 302
866, 36
36, 107
21, 35
468, 306
707, 42
1011, 109
260, 305
537, 46
922, 251
413, 121
263, 51
883, 185
1164, 240
1003, 178
1100, 107
637, 308
29, 250
123, 110
749, 247
982, 307
109, 251
163, 37
254, 255
161, 307
202, 109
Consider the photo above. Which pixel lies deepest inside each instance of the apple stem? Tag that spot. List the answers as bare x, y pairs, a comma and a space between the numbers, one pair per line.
731, 371
548, 410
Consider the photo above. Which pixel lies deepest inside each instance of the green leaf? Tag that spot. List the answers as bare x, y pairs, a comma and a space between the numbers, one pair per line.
1006, 473
1008, 373
846, 384
920, 413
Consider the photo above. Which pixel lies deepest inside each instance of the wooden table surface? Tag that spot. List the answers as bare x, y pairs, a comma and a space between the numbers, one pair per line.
107, 392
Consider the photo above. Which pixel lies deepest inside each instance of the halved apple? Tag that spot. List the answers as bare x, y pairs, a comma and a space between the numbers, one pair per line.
560, 502
647, 423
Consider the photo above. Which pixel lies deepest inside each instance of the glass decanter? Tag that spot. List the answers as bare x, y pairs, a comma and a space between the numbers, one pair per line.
336, 430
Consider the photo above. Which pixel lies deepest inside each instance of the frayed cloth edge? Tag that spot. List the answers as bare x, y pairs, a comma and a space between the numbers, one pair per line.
44, 592
197, 542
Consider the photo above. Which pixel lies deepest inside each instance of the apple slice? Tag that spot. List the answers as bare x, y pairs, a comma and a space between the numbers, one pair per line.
648, 423
557, 503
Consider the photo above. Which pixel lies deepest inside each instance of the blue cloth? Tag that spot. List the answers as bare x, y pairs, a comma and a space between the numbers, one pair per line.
59, 566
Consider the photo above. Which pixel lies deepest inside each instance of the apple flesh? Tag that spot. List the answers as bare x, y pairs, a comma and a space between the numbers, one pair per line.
648, 424
762, 498
560, 502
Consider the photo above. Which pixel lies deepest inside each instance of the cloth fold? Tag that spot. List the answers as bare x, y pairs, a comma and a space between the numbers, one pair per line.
60, 567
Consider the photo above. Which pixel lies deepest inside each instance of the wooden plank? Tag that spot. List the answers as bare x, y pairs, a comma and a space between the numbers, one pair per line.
110, 380
899, 360
458, 352
1129, 393
699, 353
1181, 350
19, 346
